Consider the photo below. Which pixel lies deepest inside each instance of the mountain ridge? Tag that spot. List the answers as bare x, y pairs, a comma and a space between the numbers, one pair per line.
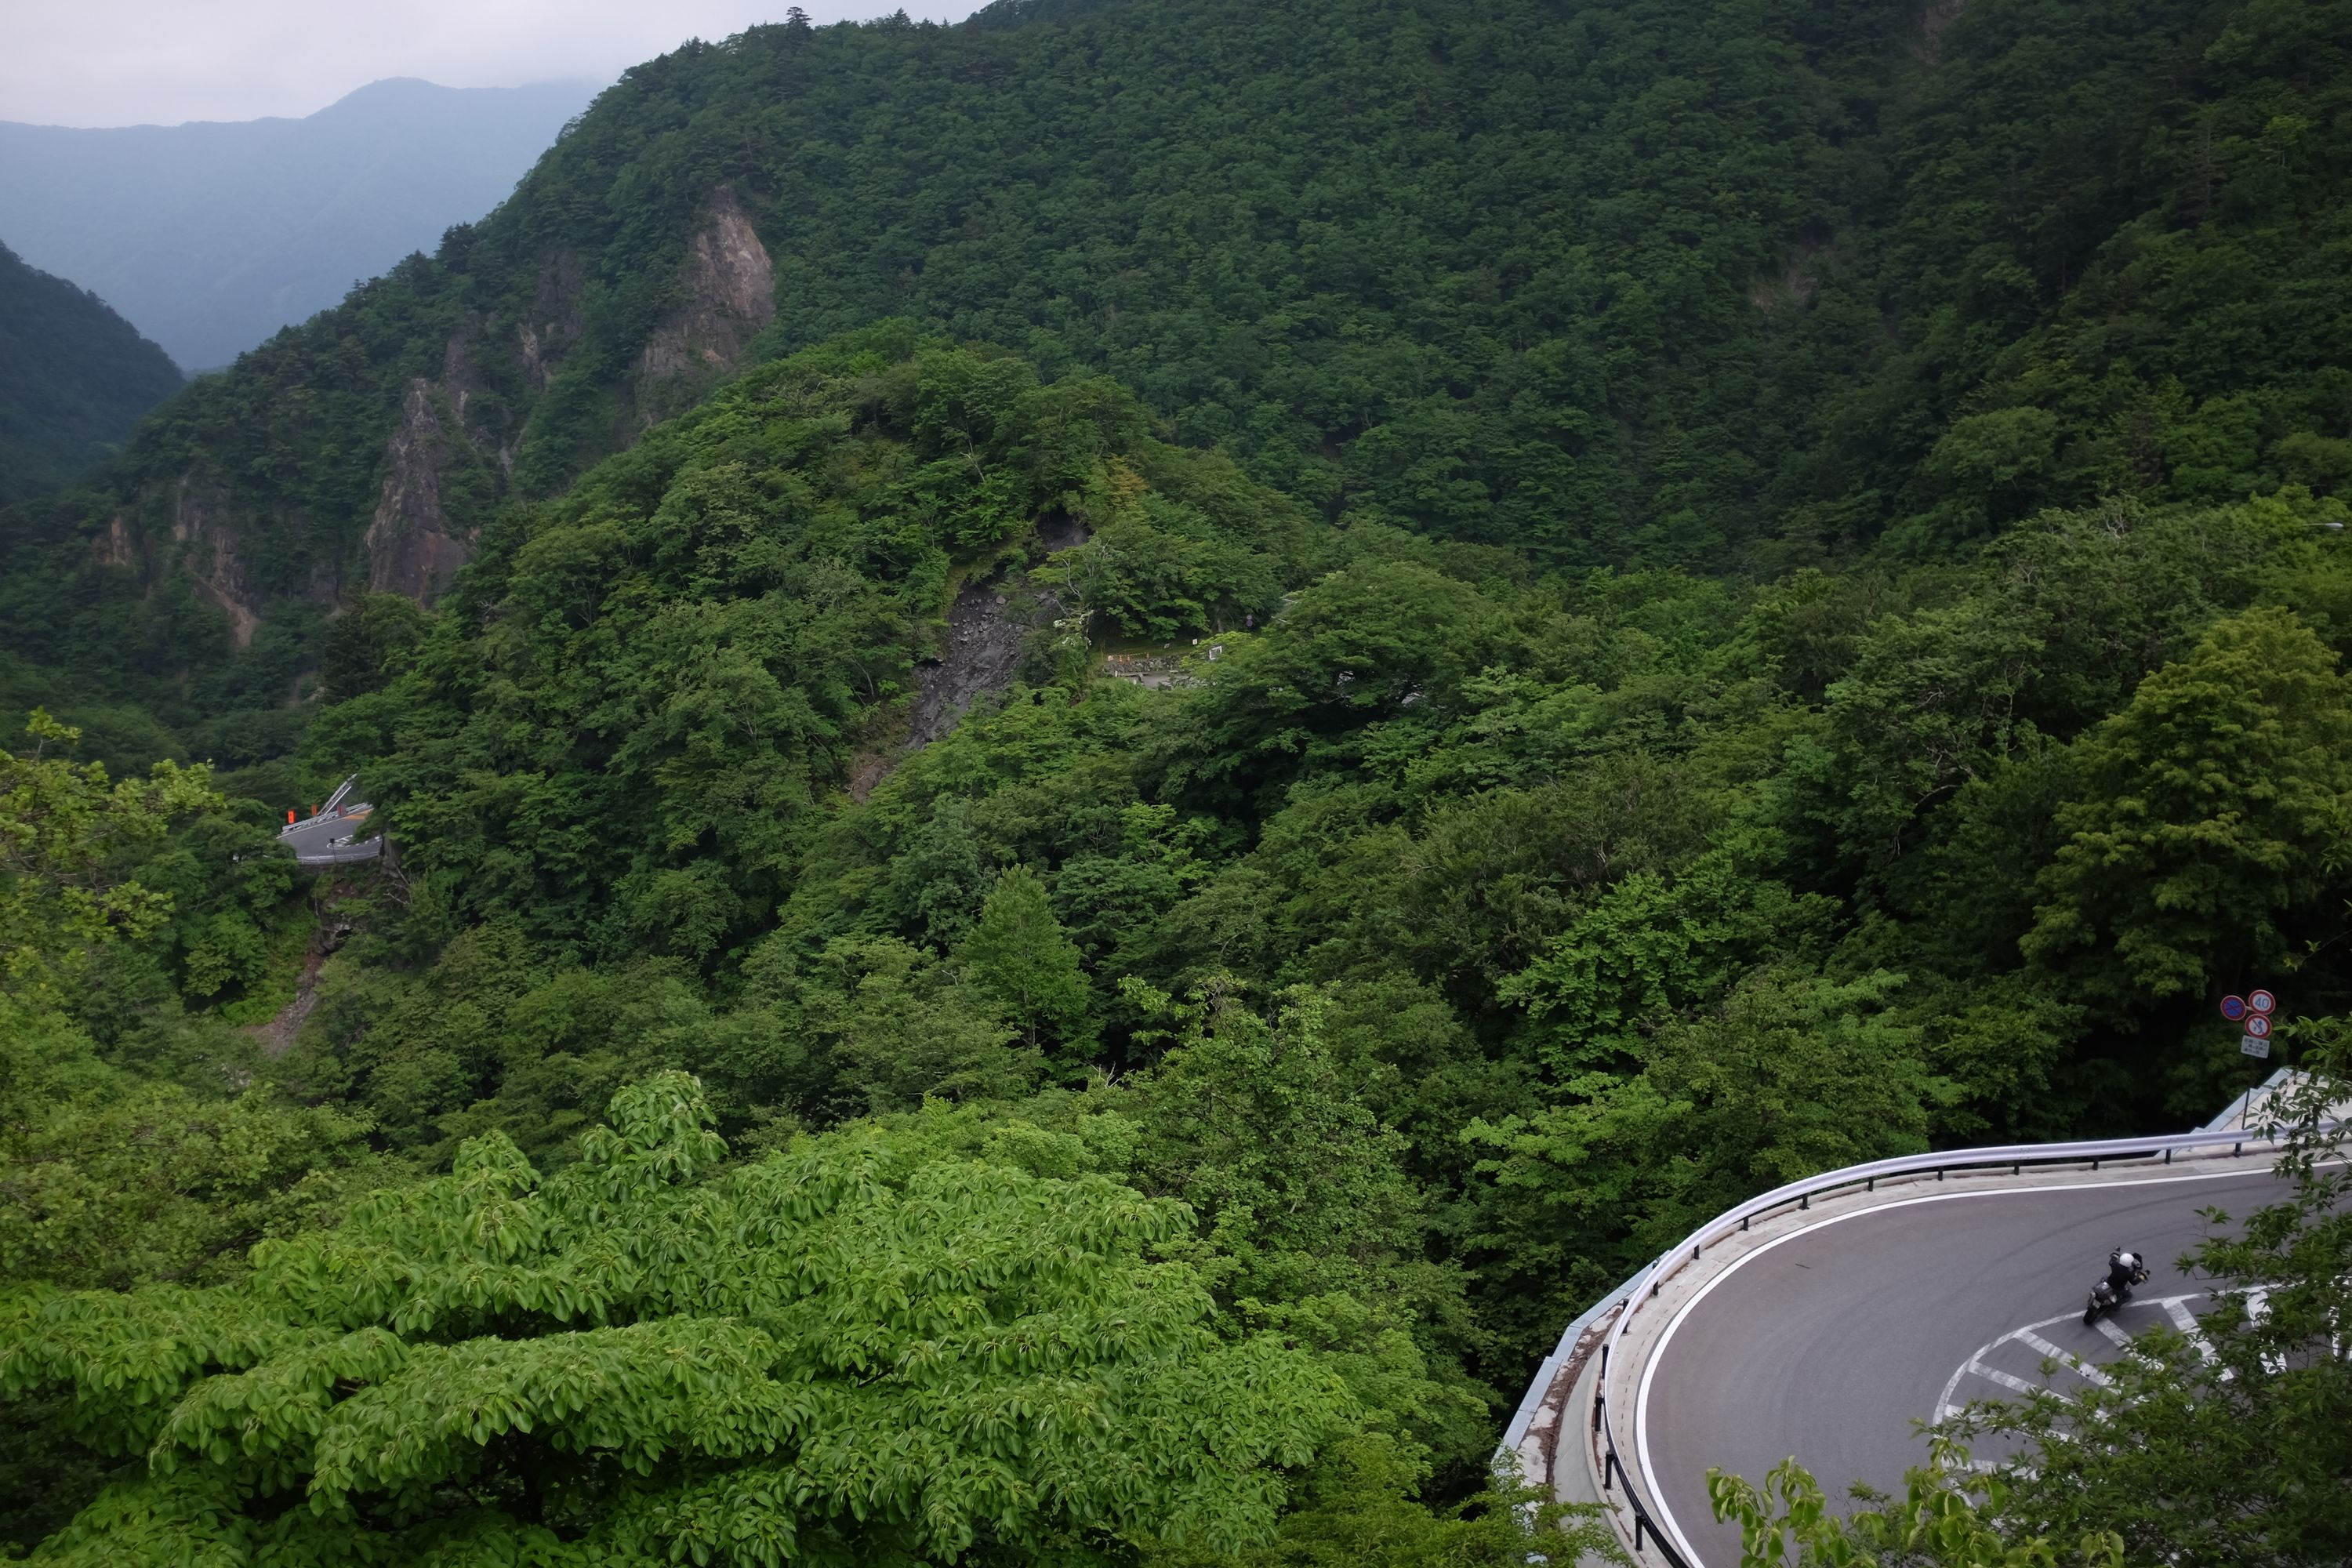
74, 378
1636, 283
214, 234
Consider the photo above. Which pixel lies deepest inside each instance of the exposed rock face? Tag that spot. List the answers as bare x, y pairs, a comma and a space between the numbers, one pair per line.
115, 547
986, 626
1936, 15
555, 322
411, 546
730, 293
438, 460
201, 525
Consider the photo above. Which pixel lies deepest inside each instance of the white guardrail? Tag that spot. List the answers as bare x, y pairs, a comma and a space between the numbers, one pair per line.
1637, 1291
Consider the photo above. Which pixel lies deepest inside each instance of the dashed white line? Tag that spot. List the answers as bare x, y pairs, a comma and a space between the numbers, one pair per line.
2006, 1380
2064, 1358
1948, 1404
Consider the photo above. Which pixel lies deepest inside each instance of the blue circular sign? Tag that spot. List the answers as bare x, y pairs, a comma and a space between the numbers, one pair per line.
2234, 1008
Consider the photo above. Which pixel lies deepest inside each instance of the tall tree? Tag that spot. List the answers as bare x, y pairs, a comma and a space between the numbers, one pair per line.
2212, 818
1018, 953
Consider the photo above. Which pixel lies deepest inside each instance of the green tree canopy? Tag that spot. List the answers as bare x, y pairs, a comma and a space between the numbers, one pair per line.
2212, 815
1017, 954
62, 825
850, 1352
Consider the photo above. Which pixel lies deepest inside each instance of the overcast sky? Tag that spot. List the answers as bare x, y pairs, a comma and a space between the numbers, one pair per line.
159, 62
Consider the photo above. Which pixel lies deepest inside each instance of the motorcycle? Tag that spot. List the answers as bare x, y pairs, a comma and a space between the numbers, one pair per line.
2104, 1297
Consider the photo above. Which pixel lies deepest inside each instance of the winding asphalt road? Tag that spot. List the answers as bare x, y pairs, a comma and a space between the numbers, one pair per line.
1828, 1342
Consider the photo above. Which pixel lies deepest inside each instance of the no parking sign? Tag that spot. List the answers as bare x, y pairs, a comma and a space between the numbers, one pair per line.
2254, 1009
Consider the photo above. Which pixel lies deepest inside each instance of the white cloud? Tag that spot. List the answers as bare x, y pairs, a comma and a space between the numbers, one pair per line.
133, 62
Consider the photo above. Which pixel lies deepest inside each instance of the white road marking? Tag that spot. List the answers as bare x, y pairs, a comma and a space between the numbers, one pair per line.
2007, 1380
2182, 1318
2066, 1359
2030, 1336
1666, 1513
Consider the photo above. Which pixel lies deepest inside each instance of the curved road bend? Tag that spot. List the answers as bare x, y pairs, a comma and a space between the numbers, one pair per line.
1829, 1343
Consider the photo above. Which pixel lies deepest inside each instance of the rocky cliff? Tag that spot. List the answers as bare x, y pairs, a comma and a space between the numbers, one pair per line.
729, 289
412, 546
451, 439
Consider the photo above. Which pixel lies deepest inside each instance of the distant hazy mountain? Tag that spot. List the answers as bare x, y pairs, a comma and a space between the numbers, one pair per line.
210, 237
74, 379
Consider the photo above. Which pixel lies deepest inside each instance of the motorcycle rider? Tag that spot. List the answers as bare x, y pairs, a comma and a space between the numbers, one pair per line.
2124, 1271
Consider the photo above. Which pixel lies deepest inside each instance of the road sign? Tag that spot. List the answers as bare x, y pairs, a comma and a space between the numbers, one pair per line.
2234, 1008
2261, 1002
2254, 1045
2259, 1027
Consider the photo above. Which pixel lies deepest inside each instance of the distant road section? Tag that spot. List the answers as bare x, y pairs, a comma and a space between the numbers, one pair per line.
1827, 1320
336, 833
1827, 1343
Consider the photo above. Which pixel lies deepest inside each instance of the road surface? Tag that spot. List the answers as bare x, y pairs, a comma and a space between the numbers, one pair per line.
1829, 1343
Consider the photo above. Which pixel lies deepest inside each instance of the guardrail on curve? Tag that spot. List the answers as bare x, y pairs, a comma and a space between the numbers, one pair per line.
1645, 1285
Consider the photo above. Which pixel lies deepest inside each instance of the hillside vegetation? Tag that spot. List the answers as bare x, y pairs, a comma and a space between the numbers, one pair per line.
74, 379
1716, 287
764, 1111
1453, 937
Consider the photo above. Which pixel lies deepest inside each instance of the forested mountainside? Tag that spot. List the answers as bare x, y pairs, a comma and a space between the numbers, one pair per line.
1116, 742
74, 379
1215, 1094
213, 236
1715, 286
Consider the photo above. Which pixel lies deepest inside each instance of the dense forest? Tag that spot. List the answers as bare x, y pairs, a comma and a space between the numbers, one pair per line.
1727, 288
74, 379
1314, 686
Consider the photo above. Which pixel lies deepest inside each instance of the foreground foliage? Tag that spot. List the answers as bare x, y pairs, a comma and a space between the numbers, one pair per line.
852, 1350
1942, 1520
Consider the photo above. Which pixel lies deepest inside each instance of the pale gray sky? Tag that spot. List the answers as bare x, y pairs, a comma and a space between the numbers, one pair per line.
159, 62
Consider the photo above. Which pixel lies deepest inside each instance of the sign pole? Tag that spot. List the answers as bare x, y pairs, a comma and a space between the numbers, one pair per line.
2255, 1010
